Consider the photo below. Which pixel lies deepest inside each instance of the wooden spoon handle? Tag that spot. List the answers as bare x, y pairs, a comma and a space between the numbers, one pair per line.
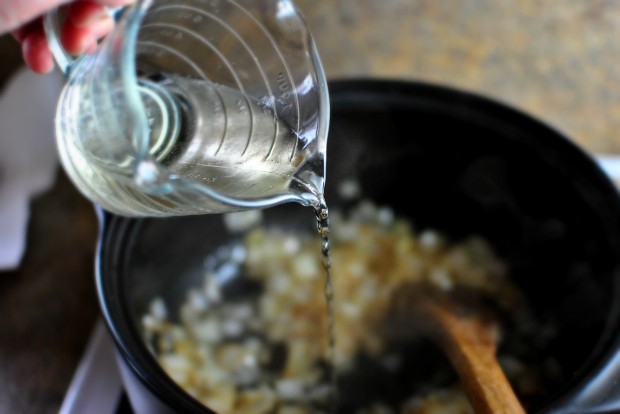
469, 340
485, 384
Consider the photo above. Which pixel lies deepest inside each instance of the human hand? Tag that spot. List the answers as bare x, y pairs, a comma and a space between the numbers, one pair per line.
87, 21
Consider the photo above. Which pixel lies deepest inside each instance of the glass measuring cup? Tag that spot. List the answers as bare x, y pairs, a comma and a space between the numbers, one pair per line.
195, 106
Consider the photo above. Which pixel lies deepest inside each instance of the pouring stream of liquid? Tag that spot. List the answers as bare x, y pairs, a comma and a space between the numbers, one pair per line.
322, 216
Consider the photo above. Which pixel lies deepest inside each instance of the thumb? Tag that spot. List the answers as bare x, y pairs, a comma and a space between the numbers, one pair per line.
16, 13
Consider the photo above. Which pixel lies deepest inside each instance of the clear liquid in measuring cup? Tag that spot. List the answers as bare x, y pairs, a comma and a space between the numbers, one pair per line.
226, 139
204, 136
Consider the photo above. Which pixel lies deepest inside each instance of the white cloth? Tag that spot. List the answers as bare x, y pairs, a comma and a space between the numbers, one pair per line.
28, 156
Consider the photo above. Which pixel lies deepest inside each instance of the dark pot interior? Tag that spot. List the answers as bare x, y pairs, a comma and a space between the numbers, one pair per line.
447, 160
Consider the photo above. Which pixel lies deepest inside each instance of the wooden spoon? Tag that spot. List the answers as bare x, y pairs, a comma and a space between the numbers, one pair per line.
468, 336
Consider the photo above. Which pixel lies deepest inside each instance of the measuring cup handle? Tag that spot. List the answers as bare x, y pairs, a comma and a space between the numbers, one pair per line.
51, 25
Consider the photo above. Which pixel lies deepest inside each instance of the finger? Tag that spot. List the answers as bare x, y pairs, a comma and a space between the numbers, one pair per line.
100, 29
83, 13
36, 52
77, 40
16, 13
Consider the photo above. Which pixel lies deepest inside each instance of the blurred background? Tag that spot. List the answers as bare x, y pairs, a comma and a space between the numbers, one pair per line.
556, 60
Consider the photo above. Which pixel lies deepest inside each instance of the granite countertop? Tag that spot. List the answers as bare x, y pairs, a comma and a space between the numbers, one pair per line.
553, 59
556, 60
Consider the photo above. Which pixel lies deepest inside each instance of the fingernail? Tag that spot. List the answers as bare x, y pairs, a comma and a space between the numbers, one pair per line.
87, 19
118, 3
75, 39
91, 47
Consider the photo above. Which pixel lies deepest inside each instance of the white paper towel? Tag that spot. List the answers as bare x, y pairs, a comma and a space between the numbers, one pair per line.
28, 157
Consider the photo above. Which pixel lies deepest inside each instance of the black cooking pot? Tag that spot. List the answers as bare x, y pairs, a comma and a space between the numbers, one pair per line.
448, 160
